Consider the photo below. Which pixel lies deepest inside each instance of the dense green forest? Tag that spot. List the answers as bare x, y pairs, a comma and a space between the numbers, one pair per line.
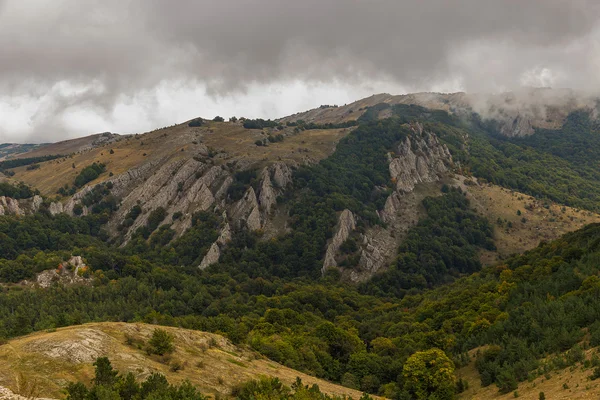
434, 303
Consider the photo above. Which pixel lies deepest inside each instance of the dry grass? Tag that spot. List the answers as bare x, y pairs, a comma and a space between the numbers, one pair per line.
542, 224
230, 141
211, 362
576, 378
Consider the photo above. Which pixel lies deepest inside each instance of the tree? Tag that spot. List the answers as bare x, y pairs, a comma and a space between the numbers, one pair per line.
105, 374
161, 342
218, 119
428, 373
77, 391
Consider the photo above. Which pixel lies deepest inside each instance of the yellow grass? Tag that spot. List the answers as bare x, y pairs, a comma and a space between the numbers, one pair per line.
209, 361
542, 224
231, 140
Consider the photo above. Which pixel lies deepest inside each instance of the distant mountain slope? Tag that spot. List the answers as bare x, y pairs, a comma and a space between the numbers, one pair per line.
517, 113
12, 150
209, 361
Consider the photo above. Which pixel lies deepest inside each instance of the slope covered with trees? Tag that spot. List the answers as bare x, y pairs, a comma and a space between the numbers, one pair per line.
431, 307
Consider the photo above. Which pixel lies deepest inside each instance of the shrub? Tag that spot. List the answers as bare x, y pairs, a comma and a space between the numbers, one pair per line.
161, 342
89, 173
196, 122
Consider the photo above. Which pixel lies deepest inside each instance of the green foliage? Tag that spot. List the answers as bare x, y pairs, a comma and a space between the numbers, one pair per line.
273, 389
161, 342
196, 122
430, 374
108, 384
443, 245
20, 162
105, 375
89, 173
270, 294
19, 191
218, 119
259, 123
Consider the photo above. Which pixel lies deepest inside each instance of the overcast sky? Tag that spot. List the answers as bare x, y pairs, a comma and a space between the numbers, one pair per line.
70, 68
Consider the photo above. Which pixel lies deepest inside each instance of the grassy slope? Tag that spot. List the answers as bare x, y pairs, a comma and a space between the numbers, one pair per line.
209, 361
543, 224
183, 141
578, 385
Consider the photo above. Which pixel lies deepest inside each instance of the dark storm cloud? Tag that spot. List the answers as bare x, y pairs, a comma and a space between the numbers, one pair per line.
90, 56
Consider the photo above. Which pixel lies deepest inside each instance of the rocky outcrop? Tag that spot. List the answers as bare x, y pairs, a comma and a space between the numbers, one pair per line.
10, 206
76, 199
390, 209
67, 273
268, 196
421, 158
274, 180
182, 187
7, 394
518, 127
418, 159
282, 174
214, 253
212, 257
346, 224
123, 183
56, 208
225, 236
246, 211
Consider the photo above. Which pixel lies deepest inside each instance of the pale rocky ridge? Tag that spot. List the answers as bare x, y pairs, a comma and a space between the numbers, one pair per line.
346, 224
252, 211
10, 206
419, 159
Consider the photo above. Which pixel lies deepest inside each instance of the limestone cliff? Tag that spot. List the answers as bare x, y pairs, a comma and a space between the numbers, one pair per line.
346, 224
10, 206
422, 160
419, 158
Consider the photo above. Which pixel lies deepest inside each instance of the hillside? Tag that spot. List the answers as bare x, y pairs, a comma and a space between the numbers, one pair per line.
347, 250
521, 222
48, 360
563, 384
518, 113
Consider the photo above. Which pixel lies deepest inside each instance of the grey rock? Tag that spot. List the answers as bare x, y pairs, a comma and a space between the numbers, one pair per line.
212, 257
346, 224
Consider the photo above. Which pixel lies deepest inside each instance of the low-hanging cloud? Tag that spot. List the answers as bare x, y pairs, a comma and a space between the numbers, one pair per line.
69, 67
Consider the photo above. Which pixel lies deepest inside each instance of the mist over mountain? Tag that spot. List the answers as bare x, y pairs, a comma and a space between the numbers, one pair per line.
132, 66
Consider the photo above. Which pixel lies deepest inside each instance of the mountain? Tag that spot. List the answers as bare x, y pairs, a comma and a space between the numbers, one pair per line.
350, 243
517, 113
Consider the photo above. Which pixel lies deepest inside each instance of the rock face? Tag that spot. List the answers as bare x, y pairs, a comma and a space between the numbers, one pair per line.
214, 253
10, 206
211, 257
418, 159
246, 212
268, 196
346, 224
67, 273
56, 208
274, 180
